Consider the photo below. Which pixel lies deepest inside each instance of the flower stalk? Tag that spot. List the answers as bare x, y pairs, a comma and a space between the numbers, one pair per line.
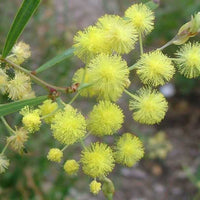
39, 81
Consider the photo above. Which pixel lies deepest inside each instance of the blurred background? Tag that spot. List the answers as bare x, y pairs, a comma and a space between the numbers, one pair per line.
171, 167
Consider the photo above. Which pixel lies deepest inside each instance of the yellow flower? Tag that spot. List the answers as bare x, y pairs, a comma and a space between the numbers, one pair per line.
141, 17
21, 52
95, 187
48, 108
105, 119
109, 75
71, 167
149, 106
3, 81
129, 150
31, 119
4, 163
120, 34
89, 43
97, 160
19, 86
189, 60
78, 78
155, 68
68, 126
55, 155
17, 140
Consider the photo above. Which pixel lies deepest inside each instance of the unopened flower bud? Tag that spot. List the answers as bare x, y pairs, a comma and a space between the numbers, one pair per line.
190, 29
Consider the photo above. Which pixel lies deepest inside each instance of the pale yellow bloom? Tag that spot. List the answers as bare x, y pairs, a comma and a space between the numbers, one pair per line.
71, 167
129, 150
97, 160
20, 87
141, 17
68, 125
149, 106
31, 119
55, 155
18, 140
95, 187
106, 118
21, 53
120, 34
188, 62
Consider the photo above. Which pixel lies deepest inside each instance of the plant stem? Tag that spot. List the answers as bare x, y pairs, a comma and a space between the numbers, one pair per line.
11, 131
83, 144
82, 81
130, 94
141, 45
132, 67
33, 77
60, 102
74, 98
64, 148
174, 59
50, 114
4, 149
166, 45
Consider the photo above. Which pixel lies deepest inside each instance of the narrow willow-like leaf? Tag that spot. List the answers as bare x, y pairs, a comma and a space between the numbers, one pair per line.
151, 5
57, 59
25, 12
9, 108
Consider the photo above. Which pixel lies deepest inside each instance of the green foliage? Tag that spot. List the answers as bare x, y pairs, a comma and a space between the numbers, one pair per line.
25, 12
57, 59
12, 107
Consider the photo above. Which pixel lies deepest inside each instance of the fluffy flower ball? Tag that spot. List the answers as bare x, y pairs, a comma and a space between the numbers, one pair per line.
105, 119
48, 108
21, 52
141, 17
109, 75
4, 163
17, 140
55, 155
120, 34
89, 43
95, 187
31, 119
129, 150
97, 160
20, 87
149, 106
68, 125
189, 60
71, 167
155, 68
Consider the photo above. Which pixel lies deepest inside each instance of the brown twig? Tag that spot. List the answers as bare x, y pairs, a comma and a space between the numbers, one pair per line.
51, 88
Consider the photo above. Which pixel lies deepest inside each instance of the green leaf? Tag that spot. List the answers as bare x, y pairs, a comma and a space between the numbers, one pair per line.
57, 59
9, 108
25, 12
151, 5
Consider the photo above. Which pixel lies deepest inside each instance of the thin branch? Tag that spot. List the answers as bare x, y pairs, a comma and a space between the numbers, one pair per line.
36, 79
132, 67
7, 126
166, 45
141, 45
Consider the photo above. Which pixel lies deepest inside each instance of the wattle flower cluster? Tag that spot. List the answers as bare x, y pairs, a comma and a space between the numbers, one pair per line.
105, 77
